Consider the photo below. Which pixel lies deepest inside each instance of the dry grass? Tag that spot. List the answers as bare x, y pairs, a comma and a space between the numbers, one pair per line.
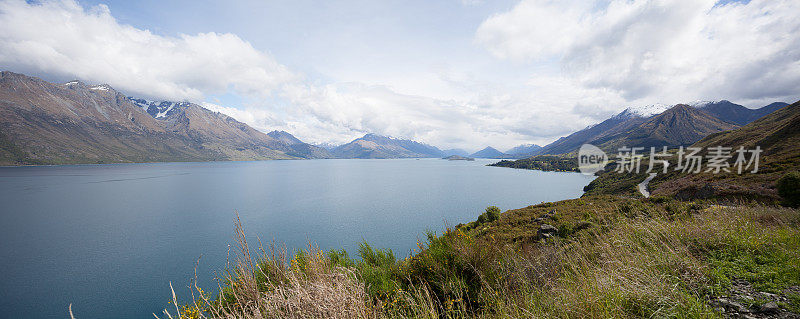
660, 262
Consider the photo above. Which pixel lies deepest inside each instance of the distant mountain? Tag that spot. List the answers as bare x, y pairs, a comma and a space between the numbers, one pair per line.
488, 152
622, 122
768, 109
679, 125
48, 123
455, 151
326, 145
777, 134
738, 114
631, 118
298, 147
644, 111
226, 135
285, 137
524, 149
377, 146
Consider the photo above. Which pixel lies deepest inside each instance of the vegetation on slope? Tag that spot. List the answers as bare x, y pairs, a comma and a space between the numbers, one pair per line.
609, 257
777, 135
558, 163
607, 254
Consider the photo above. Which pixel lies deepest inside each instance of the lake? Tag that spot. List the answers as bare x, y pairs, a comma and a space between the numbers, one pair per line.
110, 238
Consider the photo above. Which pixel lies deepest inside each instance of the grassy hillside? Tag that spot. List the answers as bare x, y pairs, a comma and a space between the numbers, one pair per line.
608, 254
604, 257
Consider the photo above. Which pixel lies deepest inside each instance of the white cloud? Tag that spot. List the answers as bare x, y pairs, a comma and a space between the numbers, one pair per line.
63, 40
562, 65
659, 50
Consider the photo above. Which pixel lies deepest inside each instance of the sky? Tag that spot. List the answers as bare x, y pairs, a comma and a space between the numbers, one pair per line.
450, 73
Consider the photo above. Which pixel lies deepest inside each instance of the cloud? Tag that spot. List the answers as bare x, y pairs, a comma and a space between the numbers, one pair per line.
659, 50
555, 67
64, 40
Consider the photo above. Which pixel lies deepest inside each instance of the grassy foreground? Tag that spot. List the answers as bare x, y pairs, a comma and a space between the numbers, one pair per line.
606, 257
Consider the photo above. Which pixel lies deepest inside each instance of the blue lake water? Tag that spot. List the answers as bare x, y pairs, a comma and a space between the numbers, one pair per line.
109, 238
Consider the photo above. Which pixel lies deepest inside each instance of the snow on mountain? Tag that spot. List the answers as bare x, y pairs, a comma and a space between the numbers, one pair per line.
101, 87
658, 108
644, 111
158, 109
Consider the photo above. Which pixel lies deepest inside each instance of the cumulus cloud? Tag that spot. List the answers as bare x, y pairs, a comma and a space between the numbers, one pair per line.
588, 60
659, 50
64, 40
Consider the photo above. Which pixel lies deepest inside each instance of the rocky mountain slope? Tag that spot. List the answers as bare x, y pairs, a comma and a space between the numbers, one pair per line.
49, 123
377, 146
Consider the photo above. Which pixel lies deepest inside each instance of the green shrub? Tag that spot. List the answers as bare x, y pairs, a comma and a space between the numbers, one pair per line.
377, 271
340, 258
789, 189
492, 213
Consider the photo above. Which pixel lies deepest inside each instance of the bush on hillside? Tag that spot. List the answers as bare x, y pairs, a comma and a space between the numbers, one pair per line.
492, 213
789, 189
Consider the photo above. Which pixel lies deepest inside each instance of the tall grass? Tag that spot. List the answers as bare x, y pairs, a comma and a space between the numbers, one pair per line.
665, 260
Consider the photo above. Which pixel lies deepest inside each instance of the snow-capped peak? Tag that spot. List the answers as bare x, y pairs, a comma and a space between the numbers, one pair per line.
644, 111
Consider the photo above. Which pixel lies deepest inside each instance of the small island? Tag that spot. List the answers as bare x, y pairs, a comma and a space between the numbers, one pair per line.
458, 158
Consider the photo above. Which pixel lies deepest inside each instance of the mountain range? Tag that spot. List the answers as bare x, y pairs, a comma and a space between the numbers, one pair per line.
660, 125
524, 149
377, 146
520, 151
70, 123
776, 134
735, 113
49, 123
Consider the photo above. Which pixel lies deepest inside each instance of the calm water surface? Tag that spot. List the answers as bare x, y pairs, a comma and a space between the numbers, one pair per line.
110, 238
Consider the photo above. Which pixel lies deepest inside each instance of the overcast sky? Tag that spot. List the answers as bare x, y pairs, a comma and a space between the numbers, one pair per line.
452, 73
